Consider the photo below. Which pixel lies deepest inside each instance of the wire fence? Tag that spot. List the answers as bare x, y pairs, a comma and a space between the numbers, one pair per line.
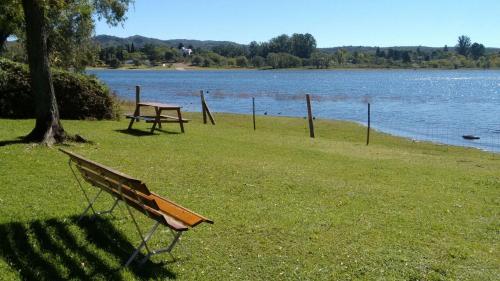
453, 125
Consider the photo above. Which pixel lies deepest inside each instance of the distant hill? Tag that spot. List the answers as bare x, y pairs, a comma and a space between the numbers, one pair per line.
140, 41
372, 50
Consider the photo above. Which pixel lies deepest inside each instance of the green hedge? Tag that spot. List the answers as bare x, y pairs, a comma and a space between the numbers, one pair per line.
78, 96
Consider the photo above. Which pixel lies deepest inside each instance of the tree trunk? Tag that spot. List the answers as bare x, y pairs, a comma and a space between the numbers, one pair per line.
48, 128
3, 39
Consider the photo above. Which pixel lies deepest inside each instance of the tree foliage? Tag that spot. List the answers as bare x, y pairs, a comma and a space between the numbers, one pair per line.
70, 26
477, 50
463, 45
303, 45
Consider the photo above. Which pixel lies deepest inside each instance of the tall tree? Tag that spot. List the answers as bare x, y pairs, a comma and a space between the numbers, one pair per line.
463, 45
48, 128
340, 56
302, 45
253, 49
477, 50
280, 44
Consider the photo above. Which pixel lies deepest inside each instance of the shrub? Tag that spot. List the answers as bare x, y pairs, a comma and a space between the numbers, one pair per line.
114, 63
196, 60
231, 62
216, 59
78, 96
283, 60
242, 61
258, 61
207, 62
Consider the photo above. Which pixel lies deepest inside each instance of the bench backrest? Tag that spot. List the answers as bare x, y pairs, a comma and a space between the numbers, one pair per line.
135, 193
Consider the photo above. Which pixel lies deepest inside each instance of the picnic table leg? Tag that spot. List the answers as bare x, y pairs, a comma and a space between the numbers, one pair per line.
181, 123
136, 113
157, 119
131, 123
159, 116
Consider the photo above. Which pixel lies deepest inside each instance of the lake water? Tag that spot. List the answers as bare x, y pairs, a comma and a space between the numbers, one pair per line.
433, 105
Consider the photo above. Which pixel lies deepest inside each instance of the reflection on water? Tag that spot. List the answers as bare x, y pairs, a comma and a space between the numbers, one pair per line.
435, 105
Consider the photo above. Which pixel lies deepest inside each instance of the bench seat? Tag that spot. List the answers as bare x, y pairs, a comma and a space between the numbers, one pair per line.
152, 118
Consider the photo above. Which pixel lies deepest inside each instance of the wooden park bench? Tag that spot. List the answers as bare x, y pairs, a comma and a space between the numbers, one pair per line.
135, 194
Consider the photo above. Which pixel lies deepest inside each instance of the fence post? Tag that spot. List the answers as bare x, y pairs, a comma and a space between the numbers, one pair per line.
206, 110
368, 129
203, 109
253, 109
309, 114
137, 111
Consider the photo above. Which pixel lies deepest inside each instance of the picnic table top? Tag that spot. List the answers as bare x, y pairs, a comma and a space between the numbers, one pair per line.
160, 105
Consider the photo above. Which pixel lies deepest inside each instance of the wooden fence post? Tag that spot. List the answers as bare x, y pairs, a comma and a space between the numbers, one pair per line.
309, 114
137, 111
368, 129
253, 109
203, 107
206, 110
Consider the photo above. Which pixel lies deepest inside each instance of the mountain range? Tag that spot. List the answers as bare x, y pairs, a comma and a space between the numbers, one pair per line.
139, 41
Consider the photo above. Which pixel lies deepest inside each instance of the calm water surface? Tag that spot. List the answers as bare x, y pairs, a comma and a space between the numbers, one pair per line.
434, 105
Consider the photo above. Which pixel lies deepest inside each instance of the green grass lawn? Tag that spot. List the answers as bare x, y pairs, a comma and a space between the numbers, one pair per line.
285, 206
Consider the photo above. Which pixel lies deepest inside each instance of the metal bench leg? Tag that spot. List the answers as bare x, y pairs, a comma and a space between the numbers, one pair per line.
143, 243
91, 206
177, 236
91, 203
107, 211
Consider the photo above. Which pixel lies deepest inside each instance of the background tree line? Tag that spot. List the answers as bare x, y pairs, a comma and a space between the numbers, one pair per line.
283, 51
300, 50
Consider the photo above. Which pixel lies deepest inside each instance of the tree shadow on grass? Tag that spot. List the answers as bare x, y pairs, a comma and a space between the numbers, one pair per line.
18, 140
61, 249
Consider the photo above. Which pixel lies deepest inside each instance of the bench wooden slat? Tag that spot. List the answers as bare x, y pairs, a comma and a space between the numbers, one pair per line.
175, 118
145, 118
146, 203
163, 121
184, 215
152, 118
111, 173
114, 186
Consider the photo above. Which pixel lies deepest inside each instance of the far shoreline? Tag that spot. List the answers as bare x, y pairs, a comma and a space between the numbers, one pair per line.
194, 68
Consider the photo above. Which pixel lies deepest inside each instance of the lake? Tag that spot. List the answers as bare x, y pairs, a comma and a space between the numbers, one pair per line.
432, 105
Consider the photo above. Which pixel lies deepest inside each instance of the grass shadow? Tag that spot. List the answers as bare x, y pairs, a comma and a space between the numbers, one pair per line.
135, 132
142, 133
61, 249
18, 140
168, 132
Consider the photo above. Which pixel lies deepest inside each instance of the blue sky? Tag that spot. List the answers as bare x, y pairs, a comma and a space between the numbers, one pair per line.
331, 22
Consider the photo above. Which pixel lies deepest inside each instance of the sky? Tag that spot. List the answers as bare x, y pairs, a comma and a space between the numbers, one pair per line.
332, 22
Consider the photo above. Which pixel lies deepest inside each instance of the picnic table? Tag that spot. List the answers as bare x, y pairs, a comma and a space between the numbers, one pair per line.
158, 118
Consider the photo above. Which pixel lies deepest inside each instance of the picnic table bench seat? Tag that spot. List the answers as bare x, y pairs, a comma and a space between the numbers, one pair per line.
152, 118
135, 194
